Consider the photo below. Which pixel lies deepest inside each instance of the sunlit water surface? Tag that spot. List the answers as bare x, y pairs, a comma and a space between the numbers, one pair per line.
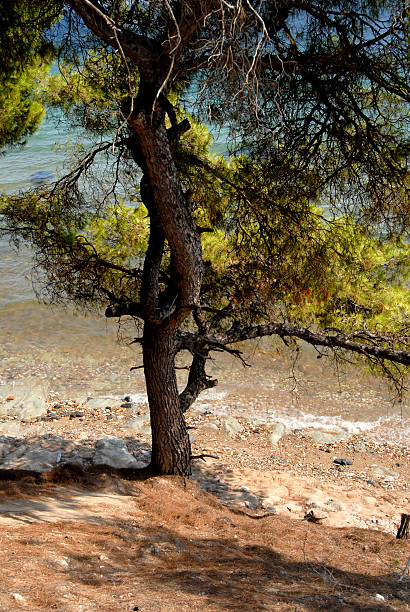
80, 355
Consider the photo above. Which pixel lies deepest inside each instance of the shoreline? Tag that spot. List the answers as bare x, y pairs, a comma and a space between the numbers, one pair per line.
261, 465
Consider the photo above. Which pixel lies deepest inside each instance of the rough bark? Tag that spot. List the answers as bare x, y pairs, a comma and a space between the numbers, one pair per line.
171, 224
361, 342
174, 215
197, 382
171, 451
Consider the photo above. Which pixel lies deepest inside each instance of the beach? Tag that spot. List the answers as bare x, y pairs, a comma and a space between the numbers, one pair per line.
271, 444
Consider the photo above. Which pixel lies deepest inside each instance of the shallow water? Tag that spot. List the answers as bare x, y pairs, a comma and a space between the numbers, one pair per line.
80, 356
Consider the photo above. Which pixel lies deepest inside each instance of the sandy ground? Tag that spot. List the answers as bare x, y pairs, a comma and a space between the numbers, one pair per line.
233, 537
164, 544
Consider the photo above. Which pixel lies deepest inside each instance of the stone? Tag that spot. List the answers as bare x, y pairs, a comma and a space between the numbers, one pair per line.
252, 504
137, 398
58, 564
32, 460
11, 428
4, 449
324, 437
106, 440
191, 438
334, 505
140, 423
343, 461
76, 458
232, 426
278, 431
18, 597
127, 405
76, 414
97, 403
383, 473
30, 400
211, 427
113, 452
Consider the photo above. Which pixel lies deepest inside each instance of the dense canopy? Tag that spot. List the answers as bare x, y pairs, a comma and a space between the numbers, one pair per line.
299, 231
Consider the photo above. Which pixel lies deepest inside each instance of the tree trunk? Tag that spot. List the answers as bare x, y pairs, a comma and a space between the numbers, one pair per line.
171, 449
403, 531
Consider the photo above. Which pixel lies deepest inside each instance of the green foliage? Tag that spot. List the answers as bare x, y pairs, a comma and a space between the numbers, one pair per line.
25, 57
21, 114
302, 217
91, 94
272, 251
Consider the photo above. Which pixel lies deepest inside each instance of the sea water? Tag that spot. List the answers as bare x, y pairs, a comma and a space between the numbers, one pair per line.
81, 355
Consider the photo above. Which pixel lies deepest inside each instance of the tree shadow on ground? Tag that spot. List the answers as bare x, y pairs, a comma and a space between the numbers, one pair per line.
175, 542
229, 575
29, 496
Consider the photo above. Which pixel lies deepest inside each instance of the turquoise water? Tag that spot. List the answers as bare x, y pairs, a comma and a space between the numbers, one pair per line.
28, 327
80, 352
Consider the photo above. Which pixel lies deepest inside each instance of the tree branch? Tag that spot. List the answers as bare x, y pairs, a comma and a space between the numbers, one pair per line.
197, 382
133, 309
138, 48
373, 347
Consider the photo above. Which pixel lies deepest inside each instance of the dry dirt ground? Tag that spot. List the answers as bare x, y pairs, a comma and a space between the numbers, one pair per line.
99, 542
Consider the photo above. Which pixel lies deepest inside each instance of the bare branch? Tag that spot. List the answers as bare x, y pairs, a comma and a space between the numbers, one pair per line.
315, 338
138, 48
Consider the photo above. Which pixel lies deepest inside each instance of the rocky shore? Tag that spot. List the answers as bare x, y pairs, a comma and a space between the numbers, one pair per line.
347, 478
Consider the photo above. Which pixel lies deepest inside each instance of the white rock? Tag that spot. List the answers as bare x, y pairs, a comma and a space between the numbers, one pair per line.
18, 597
383, 473
99, 403
140, 424
59, 564
324, 437
113, 452
335, 505
231, 426
30, 399
379, 597
32, 460
278, 431
138, 398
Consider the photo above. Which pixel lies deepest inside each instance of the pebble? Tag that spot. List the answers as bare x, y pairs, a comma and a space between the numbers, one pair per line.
343, 461
324, 437
17, 597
